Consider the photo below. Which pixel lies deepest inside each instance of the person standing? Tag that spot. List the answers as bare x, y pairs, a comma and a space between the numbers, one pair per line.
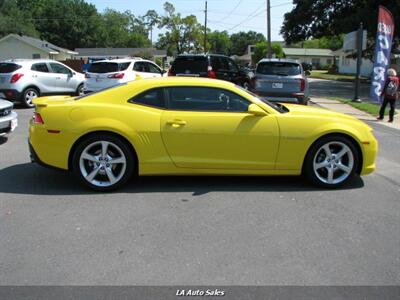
390, 94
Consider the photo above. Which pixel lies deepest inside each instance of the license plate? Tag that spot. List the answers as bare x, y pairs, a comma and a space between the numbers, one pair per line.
277, 85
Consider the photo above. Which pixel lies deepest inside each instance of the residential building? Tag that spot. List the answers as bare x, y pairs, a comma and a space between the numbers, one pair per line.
317, 57
15, 46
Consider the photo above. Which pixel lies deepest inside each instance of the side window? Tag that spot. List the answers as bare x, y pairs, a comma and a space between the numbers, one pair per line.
42, 67
154, 98
59, 69
232, 66
215, 64
223, 64
140, 66
205, 99
153, 68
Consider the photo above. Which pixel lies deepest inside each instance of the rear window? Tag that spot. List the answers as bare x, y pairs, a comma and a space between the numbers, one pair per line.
190, 65
107, 67
8, 67
278, 68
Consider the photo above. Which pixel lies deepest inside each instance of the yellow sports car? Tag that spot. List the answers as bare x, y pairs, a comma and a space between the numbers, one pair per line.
192, 126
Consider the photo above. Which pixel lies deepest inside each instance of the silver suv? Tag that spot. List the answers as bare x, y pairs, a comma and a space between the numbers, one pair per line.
22, 80
281, 80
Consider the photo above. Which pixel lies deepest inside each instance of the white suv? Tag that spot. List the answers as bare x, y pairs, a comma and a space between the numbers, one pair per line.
105, 73
25, 79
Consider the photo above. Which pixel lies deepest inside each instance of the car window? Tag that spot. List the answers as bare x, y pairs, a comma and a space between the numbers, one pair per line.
154, 98
278, 68
215, 63
232, 66
205, 99
108, 67
59, 69
153, 68
190, 65
42, 67
8, 67
140, 66
223, 64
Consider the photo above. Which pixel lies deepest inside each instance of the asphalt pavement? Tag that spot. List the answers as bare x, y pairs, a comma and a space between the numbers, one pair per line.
197, 230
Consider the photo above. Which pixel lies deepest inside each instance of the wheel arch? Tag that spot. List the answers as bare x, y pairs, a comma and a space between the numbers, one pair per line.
87, 135
342, 134
32, 86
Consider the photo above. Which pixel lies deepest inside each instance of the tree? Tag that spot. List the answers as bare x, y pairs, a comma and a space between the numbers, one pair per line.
261, 51
151, 19
241, 40
219, 42
182, 35
15, 20
319, 18
325, 42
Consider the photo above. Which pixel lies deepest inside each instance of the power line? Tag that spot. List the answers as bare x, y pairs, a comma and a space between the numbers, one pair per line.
252, 15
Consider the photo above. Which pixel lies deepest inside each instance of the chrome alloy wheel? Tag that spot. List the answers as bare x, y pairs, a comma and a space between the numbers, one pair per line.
102, 163
333, 163
29, 96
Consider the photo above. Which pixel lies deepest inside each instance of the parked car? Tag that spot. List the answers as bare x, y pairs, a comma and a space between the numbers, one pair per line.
281, 80
195, 126
8, 118
22, 80
211, 66
106, 73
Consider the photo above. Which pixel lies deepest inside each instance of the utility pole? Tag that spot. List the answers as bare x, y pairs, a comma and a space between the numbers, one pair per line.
359, 52
269, 28
205, 29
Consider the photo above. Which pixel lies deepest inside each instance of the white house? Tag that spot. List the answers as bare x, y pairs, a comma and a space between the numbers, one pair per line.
317, 57
15, 46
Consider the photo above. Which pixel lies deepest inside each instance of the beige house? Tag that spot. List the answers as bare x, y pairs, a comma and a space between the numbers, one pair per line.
317, 57
15, 46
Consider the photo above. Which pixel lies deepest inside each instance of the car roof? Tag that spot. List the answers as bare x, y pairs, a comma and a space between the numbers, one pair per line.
280, 60
28, 61
201, 55
121, 60
178, 80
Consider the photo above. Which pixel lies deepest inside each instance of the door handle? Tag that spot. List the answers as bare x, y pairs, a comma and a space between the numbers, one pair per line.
176, 123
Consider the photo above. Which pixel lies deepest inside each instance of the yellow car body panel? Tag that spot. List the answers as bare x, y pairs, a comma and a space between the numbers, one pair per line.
234, 143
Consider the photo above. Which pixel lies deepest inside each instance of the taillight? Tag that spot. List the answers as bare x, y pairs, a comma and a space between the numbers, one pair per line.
302, 85
211, 73
87, 75
116, 76
37, 118
16, 77
170, 72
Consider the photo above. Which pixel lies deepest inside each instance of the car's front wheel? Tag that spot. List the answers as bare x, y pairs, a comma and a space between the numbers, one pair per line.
331, 162
103, 162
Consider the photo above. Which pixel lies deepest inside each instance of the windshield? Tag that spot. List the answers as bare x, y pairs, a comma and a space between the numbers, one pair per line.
107, 67
8, 67
278, 68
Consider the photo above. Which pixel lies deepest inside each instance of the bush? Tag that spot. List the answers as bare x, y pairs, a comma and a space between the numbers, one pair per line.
333, 69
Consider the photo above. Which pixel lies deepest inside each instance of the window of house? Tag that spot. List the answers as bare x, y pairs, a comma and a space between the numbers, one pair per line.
35, 55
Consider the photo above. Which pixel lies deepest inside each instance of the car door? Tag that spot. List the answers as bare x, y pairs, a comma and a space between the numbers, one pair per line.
209, 128
43, 79
233, 72
154, 70
64, 78
142, 69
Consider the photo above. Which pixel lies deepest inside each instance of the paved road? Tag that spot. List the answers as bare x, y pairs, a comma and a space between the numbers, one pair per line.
210, 231
321, 88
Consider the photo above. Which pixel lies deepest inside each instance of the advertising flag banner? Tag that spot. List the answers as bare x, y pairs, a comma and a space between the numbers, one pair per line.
383, 48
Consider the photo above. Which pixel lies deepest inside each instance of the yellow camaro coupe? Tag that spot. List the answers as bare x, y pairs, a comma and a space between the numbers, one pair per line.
192, 126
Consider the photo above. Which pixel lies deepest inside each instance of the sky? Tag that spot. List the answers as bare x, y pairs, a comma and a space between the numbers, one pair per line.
230, 15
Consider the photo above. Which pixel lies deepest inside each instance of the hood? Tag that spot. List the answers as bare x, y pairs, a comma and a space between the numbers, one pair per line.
296, 109
5, 104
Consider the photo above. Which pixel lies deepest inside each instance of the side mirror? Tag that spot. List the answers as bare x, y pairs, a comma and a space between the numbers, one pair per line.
308, 73
163, 72
255, 110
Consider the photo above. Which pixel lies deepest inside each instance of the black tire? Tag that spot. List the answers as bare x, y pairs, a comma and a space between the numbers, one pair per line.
117, 148
79, 90
350, 160
28, 95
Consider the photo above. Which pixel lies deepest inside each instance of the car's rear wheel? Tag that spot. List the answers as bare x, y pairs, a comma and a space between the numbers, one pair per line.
103, 162
331, 162
28, 96
80, 90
